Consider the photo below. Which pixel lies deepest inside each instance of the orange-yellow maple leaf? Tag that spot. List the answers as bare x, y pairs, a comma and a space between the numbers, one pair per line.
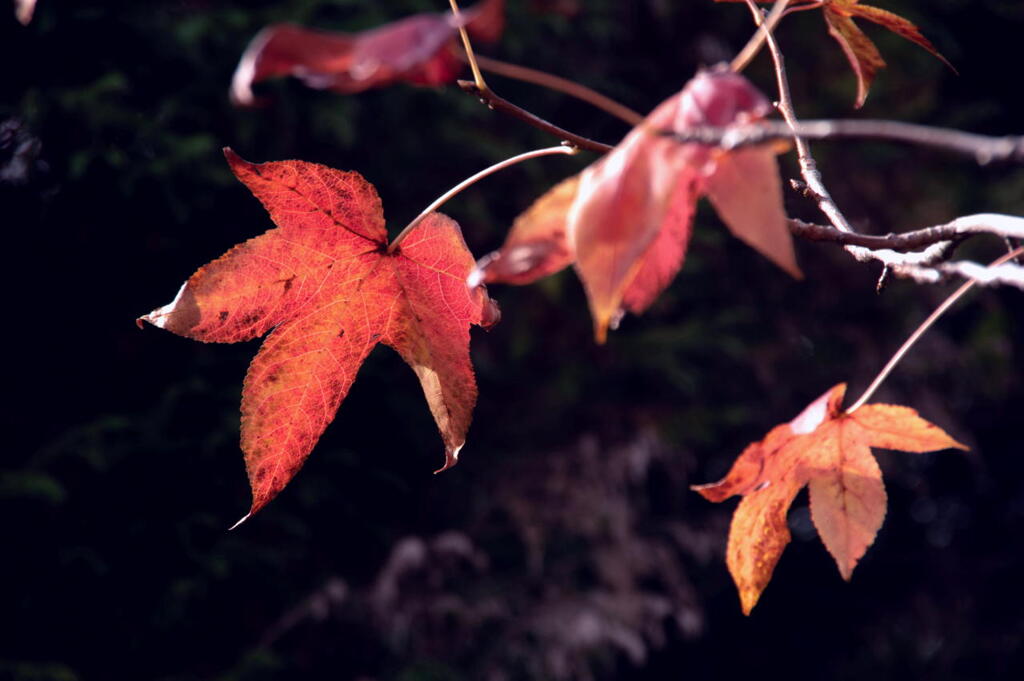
828, 450
328, 289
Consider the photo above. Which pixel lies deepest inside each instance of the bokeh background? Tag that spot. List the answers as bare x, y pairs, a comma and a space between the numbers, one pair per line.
566, 545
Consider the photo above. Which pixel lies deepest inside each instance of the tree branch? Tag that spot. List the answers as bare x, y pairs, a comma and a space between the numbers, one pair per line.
928, 266
559, 84
1006, 226
808, 167
921, 266
493, 101
753, 46
984, 149
486, 95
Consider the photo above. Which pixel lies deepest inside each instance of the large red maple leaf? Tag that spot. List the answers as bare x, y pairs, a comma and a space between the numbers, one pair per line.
324, 283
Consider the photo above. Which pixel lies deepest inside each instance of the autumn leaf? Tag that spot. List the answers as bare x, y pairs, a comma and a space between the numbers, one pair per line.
23, 10
536, 245
828, 450
864, 57
325, 286
625, 221
419, 49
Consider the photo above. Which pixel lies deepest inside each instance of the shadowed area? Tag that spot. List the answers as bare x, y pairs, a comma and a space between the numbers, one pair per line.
566, 545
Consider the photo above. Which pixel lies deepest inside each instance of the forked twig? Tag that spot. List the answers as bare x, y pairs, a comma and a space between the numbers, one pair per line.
500, 104
808, 167
559, 84
924, 266
478, 77
480, 89
1006, 226
753, 46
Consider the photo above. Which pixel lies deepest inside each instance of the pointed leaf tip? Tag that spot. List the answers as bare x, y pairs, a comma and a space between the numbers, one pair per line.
451, 458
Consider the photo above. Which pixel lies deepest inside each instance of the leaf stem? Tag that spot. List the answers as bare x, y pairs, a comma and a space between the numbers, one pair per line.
753, 46
473, 179
924, 326
559, 84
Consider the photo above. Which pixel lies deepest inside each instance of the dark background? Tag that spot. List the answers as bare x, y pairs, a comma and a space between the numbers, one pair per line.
566, 544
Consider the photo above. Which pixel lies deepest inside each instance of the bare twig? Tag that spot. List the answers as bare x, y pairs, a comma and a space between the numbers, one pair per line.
926, 324
480, 88
497, 103
559, 84
925, 266
753, 46
1006, 226
982, 148
808, 167
478, 77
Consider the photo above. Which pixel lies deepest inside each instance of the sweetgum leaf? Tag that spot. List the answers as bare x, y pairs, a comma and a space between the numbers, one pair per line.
828, 450
23, 11
418, 50
536, 245
628, 223
323, 283
746, 191
865, 59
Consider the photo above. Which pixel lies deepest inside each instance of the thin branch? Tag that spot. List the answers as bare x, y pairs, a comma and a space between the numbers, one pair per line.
753, 46
983, 148
1006, 226
478, 77
928, 266
925, 325
559, 84
497, 103
486, 95
473, 179
924, 266
808, 167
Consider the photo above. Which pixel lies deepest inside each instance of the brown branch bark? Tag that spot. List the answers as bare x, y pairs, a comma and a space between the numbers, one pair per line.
925, 266
497, 103
559, 84
899, 252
